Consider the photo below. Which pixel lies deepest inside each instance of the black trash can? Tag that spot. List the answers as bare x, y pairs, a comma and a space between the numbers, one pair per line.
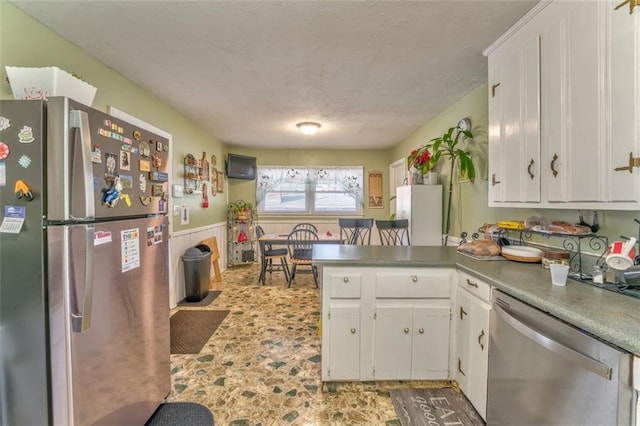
197, 268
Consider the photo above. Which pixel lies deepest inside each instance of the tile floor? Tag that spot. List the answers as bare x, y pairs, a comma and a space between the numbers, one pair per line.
262, 365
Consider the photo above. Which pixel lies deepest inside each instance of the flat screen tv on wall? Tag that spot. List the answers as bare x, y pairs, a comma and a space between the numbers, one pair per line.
241, 167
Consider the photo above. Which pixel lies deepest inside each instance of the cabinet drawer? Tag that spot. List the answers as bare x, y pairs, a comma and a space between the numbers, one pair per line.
413, 284
345, 285
475, 286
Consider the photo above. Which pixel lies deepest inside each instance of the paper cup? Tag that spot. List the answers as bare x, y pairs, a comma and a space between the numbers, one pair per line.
559, 274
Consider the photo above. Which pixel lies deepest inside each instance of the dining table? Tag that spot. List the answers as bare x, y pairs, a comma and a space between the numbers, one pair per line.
283, 240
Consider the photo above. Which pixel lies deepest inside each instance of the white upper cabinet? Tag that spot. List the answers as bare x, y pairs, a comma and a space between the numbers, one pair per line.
572, 97
564, 108
624, 105
514, 148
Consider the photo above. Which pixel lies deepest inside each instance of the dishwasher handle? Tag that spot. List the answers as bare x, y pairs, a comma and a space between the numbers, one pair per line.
569, 354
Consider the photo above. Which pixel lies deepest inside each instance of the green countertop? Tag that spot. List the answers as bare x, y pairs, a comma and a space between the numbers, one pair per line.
610, 316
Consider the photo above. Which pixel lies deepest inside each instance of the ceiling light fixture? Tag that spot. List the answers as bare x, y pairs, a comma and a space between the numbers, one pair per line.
308, 127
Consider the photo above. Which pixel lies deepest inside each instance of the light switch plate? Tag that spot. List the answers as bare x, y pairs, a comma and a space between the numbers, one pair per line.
176, 210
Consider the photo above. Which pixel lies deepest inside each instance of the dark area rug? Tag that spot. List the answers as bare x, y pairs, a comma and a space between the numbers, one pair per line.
190, 329
433, 407
180, 414
204, 302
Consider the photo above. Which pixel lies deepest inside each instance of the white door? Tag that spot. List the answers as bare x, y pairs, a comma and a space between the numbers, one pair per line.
463, 333
572, 77
392, 342
479, 365
430, 352
397, 177
344, 343
625, 103
514, 132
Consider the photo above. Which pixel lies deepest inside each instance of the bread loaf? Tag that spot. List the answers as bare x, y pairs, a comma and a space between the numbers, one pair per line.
561, 227
480, 248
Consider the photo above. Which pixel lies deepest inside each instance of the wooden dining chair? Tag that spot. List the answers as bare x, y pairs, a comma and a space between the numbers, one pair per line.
305, 225
267, 255
355, 231
394, 232
300, 244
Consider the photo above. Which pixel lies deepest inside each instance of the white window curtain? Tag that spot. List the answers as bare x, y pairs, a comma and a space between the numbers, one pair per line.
317, 190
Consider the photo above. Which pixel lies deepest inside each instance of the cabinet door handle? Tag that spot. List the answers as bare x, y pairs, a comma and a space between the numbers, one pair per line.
421, 331
493, 89
345, 279
472, 284
494, 182
353, 330
406, 330
414, 278
462, 312
531, 163
632, 5
460, 367
553, 164
480, 340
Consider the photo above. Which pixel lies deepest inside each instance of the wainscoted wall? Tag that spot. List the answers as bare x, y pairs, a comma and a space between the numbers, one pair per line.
180, 242
284, 226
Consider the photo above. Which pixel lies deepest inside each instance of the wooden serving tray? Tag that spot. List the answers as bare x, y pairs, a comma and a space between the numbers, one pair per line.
522, 258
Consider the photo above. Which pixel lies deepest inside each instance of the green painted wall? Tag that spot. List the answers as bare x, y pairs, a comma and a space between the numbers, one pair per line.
25, 42
470, 207
372, 160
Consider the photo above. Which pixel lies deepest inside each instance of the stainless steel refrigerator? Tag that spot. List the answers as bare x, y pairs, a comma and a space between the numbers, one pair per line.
84, 293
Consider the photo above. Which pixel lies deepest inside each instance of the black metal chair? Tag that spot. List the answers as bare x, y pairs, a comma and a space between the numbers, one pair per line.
355, 231
300, 252
267, 255
305, 225
394, 232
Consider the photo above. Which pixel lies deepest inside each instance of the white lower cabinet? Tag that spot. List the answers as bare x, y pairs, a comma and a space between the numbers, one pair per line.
344, 342
472, 338
419, 336
636, 385
386, 323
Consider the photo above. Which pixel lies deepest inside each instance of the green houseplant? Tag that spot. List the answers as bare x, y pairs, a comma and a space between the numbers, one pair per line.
447, 146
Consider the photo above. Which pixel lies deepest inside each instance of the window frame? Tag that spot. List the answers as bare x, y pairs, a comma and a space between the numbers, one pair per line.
355, 182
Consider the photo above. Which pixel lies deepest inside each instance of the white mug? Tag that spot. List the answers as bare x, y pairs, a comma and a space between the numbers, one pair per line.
621, 254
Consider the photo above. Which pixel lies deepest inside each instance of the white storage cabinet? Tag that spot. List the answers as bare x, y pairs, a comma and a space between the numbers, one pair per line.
565, 153
472, 339
386, 323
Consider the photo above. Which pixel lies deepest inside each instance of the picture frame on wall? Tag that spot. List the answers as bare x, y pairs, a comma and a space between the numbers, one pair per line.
375, 190
220, 181
214, 181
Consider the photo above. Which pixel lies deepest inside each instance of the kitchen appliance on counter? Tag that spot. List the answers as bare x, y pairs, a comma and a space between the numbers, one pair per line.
84, 297
544, 371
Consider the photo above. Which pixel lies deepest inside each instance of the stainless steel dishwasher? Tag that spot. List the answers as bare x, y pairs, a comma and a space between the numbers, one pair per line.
545, 372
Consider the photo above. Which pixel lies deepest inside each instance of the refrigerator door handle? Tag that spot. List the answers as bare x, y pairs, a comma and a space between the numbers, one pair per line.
82, 320
82, 203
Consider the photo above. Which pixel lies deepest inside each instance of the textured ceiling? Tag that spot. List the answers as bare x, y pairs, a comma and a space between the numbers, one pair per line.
371, 72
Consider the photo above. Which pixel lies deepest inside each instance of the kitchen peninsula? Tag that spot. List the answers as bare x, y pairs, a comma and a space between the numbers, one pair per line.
607, 315
429, 313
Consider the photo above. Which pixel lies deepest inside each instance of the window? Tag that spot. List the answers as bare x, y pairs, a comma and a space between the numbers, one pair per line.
310, 190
